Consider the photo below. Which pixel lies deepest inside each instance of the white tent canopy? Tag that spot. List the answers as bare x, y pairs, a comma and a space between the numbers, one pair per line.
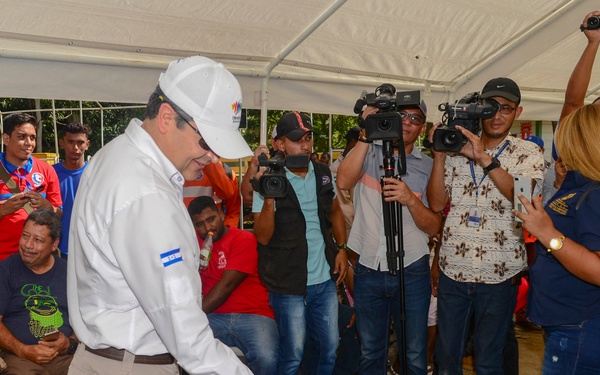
314, 55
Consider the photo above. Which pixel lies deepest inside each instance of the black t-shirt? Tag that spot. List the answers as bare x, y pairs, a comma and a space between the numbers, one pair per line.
32, 305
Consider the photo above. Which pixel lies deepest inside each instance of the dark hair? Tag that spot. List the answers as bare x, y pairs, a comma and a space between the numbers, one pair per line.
48, 218
14, 120
157, 98
76, 128
200, 203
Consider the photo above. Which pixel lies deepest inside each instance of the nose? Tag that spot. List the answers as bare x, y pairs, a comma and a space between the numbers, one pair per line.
213, 158
29, 243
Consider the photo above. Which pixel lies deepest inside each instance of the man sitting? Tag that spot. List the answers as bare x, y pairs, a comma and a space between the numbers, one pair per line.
33, 302
235, 301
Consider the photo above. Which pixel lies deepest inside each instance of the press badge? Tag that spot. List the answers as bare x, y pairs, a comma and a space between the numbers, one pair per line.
475, 217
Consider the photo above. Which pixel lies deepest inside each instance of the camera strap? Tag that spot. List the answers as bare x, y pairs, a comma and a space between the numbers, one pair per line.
12, 186
472, 165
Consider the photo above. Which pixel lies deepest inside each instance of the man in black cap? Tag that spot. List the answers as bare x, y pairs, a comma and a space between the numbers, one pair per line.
482, 252
298, 261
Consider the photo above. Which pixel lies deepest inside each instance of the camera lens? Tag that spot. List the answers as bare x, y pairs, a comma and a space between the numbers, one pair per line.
593, 23
273, 184
451, 138
384, 125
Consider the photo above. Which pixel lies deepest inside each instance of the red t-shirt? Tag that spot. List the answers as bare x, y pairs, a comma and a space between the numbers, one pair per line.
237, 251
34, 174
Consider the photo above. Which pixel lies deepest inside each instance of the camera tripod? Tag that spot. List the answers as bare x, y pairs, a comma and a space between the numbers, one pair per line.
392, 224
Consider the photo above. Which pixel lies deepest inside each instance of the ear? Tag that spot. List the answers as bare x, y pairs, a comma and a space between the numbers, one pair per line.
5, 138
280, 145
61, 143
518, 112
166, 118
55, 244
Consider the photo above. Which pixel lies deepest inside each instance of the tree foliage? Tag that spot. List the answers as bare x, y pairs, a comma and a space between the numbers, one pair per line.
115, 120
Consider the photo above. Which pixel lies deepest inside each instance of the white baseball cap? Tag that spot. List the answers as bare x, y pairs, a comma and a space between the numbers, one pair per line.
211, 95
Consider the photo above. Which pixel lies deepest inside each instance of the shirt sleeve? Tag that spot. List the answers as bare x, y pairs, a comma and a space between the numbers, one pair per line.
158, 263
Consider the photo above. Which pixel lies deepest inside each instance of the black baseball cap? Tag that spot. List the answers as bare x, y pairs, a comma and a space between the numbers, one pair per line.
503, 87
352, 133
293, 126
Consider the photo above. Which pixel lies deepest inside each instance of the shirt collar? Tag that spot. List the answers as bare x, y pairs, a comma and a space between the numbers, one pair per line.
146, 144
12, 168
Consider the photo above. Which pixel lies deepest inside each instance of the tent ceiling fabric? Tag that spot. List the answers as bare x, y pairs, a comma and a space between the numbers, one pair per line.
113, 50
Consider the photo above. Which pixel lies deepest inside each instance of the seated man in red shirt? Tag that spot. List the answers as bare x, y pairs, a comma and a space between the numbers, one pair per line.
234, 299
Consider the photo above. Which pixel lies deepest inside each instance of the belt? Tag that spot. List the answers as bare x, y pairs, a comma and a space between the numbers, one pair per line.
118, 354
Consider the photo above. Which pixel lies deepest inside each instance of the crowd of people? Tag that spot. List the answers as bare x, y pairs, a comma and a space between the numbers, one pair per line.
100, 262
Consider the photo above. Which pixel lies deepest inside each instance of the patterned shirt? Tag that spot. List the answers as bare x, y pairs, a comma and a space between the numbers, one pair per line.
494, 250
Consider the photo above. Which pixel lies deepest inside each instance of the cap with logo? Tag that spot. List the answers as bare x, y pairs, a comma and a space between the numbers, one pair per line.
535, 139
503, 87
212, 96
293, 126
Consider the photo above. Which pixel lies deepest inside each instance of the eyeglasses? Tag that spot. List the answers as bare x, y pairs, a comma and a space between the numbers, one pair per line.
413, 118
201, 141
505, 109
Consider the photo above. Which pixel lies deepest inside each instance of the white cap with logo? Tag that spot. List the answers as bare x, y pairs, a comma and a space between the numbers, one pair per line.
211, 95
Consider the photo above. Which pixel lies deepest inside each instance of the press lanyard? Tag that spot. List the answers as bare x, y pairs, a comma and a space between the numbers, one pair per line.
477, 185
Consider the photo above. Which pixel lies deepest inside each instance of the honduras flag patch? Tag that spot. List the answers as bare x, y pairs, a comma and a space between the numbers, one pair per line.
171, 257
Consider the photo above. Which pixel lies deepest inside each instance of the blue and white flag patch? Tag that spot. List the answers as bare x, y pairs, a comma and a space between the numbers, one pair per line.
171, 257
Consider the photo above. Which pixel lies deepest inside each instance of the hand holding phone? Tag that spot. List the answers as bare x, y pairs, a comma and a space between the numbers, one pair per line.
51, 336
522, 186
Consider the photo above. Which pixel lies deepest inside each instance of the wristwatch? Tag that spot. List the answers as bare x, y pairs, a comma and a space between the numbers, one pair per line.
72, 346
493, 165
556, 244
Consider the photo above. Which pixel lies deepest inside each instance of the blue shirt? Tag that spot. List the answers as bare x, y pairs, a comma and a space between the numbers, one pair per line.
556, 296
69, 182
306, 191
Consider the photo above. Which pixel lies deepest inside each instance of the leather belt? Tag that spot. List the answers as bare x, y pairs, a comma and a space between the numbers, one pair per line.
118, 354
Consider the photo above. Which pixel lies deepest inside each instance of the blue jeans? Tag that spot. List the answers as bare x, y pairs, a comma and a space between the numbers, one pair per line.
491, 306
572, 349
376, 300
255, 335
315, 313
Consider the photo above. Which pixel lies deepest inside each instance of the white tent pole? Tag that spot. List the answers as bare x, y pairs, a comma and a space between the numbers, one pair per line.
330, 149
55, 130
281, 56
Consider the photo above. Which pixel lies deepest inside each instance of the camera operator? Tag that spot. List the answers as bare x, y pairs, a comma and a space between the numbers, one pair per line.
297, 254
482, 253
376, 292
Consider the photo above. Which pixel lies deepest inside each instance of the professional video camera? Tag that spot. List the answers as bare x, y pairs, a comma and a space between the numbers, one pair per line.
387, 123
273, 183
466, 112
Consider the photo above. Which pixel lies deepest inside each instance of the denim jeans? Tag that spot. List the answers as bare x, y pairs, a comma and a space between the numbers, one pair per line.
255, 335
376, 300
491, 306
315, 313
572, 349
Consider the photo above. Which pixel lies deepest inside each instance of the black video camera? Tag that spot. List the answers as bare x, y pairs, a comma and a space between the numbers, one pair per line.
387, 123
273, 183
466, 112
593, 23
